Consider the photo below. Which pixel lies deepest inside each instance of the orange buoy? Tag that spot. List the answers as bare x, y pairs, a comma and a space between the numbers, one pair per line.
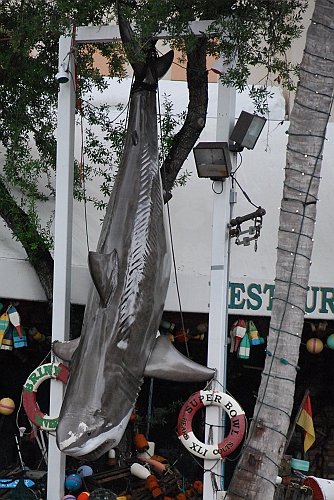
141, 443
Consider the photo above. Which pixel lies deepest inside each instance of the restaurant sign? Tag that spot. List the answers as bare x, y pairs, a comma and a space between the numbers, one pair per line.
257, 299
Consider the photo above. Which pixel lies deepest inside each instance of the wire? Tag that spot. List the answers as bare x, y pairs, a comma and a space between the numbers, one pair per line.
244, 192
83, 180
171, 231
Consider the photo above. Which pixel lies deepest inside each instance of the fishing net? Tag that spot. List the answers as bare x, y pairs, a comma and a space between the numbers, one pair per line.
102, 494
21, 492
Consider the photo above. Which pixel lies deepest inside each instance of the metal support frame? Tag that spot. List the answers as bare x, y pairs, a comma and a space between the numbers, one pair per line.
63, 237
62, 254
218, 312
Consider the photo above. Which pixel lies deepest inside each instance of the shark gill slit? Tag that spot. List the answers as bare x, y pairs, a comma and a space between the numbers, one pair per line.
141, 244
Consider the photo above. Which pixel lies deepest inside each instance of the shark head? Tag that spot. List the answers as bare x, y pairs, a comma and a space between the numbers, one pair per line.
89, 437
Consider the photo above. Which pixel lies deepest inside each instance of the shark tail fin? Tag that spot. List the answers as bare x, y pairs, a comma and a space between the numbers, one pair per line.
163, 63
167, 363
135, 53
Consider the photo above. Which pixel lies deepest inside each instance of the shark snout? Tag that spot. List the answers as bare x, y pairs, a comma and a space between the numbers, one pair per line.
74, 435
80, 438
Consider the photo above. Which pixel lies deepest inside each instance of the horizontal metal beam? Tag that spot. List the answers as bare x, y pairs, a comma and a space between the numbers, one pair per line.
110, 33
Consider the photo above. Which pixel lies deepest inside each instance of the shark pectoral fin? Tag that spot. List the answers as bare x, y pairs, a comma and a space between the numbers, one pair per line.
104, 272
65, 350
168, 363
163, 63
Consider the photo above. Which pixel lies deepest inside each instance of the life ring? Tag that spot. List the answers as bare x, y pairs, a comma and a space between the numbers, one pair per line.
237, 427
56, 371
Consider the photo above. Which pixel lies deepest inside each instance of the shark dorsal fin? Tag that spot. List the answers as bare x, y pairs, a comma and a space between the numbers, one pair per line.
103, 269
167, 363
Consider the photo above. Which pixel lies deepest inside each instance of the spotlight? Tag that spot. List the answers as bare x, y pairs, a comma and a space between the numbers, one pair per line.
213, 160
246, 132
62, 75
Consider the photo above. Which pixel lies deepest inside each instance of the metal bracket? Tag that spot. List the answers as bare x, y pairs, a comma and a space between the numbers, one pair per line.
235, 230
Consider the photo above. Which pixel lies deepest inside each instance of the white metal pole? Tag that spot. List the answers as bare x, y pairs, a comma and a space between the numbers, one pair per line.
62, 253
218, 318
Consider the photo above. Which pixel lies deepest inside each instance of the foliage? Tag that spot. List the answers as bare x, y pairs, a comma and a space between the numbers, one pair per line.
101, 157
243, 32
28, 99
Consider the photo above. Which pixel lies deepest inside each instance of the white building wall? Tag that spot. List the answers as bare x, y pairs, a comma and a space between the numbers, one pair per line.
251, 273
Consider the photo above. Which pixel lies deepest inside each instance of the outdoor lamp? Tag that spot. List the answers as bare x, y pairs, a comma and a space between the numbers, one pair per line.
247, 130
213, 160
62, 75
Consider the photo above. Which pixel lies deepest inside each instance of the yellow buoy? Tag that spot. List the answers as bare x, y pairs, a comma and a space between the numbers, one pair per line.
314, 345
7, 406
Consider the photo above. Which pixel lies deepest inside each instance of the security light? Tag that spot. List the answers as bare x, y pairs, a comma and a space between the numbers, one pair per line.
62, 76
247, 130
213, 160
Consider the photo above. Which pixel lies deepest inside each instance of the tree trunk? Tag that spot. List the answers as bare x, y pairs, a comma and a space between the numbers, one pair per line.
185, 139
256, 472
25, 231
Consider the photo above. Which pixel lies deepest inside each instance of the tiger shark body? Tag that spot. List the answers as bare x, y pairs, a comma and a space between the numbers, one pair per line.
130, 271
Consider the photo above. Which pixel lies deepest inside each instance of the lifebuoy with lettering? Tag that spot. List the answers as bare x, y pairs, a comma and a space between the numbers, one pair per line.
56, 371
231, 441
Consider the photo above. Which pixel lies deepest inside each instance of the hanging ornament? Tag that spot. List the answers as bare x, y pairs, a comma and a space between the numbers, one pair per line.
314, 345
166, 328
4, 322
19, 341
7, 406
14, 318
85, 470
182, 335
322, 326
253, 334
330, 341
237, 333
84, 495
199, 332
36, 335
73, 482
244, 348
7, 341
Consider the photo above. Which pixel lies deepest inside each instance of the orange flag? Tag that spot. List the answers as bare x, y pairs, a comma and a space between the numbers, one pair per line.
306, 422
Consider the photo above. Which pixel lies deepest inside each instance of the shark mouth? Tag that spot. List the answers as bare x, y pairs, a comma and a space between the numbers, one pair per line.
99, 451
93, 446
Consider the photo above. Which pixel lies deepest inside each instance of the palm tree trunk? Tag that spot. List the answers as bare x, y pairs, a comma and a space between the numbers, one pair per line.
256, 472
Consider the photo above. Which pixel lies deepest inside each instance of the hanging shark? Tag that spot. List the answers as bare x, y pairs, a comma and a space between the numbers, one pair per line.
130, 272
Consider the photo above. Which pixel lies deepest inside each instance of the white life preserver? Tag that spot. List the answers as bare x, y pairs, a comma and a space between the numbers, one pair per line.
56, 371
237, 424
